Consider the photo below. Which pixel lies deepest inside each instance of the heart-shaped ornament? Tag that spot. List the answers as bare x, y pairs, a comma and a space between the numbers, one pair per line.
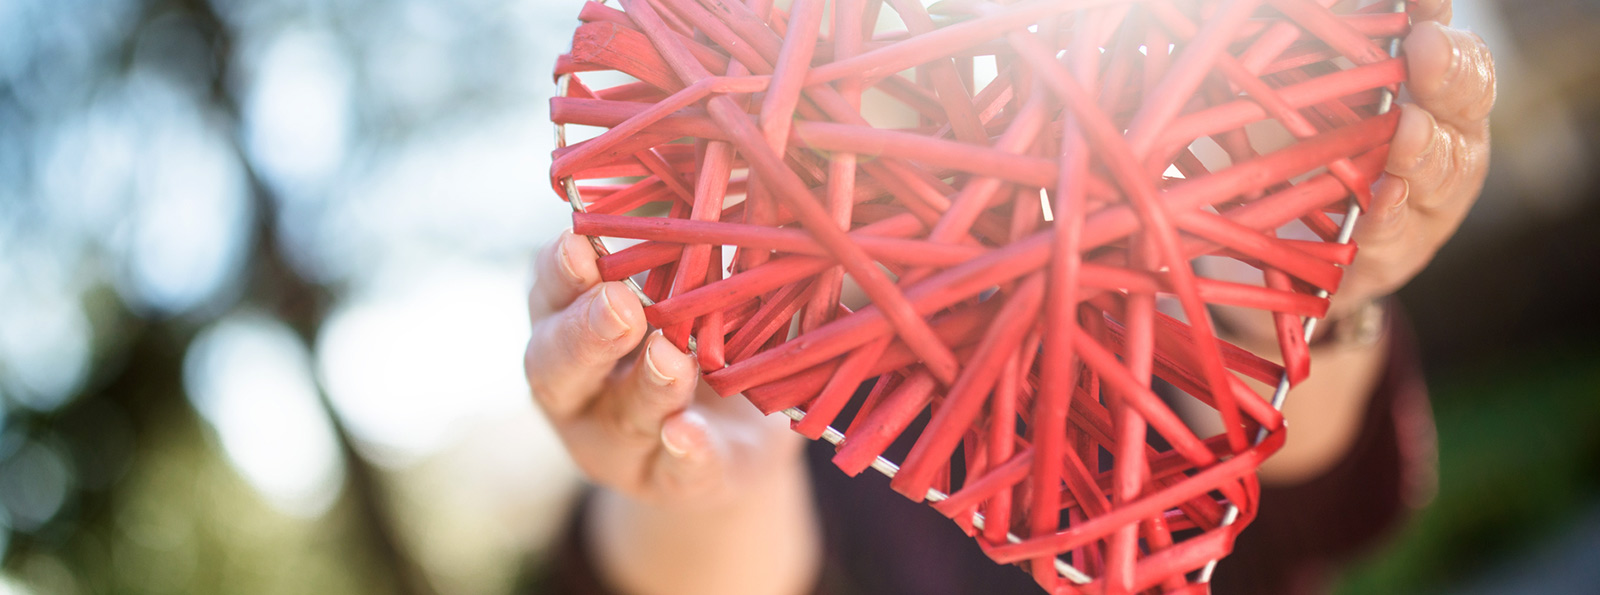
1023, 193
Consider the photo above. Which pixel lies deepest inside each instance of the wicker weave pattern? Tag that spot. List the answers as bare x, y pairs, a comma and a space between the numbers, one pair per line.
1030, 331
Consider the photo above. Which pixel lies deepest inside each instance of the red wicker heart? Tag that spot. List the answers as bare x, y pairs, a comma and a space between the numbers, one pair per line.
1060, 165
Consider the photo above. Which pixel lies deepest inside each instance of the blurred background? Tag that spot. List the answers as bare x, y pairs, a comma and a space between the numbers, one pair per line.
262, 266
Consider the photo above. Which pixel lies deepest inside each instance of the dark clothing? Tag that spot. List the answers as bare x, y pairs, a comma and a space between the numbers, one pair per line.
1304, 533
881, 543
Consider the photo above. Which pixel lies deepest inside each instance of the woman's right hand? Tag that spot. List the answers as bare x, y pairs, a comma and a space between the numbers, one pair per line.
637, 419
699, 493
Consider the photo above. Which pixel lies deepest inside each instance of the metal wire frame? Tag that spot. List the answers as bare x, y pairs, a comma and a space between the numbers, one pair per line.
1347, 229
889, 468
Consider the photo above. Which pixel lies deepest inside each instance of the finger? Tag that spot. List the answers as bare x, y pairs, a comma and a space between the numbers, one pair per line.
690, 462
1419, 151
1452, 75
1394, 247
1388, 215
662, 383
1441, 165
1432, 10
571, 354
1383, 266
563, 270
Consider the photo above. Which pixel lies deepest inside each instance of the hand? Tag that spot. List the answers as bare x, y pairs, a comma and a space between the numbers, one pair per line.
1437, 164
1436, 168
698, 493
1437, 161
642, 425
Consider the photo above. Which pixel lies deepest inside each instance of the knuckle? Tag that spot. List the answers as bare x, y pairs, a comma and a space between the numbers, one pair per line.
685, 484
542, 393
1439, 164
532, 369
642, 410
1387, 270
1462, 156
590, 469
630, 423
1476, 158
543, 303
1433, 166
543, 346
544, 262
579, 344
1437, 10
1478, 42
556, 281
658, 398
543, 390
690, 479
557, 358
1465, 165
601, 460
601, 471
589, 351
1469, 91
650, 408
1381, 228
1482, 99
546, 256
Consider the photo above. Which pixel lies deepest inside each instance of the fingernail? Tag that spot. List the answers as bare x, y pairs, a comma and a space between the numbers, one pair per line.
564, 255
1405, 194
653, 372
1414, 122
604, 319
676, 450
1389, 195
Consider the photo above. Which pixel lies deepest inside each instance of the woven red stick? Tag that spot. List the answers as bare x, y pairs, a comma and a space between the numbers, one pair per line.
1015, 230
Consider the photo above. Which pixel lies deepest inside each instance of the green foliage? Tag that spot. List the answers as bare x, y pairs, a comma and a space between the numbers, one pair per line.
1519, 444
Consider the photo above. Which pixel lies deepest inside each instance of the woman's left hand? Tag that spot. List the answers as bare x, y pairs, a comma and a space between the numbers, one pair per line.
1437, 161
1437, 164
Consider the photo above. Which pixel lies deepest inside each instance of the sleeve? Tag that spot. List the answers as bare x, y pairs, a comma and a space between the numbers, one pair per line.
568, 569
1305, 532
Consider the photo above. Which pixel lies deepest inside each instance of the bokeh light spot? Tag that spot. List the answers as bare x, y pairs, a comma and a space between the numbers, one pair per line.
190, 226
34, 484
410, 365
44, 348
296, 112
250, 378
